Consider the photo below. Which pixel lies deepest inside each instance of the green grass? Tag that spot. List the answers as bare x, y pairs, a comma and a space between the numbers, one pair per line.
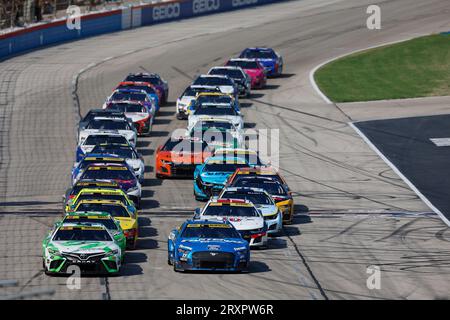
410, 69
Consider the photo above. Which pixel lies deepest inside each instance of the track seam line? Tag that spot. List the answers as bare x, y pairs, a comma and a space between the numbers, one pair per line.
308, 268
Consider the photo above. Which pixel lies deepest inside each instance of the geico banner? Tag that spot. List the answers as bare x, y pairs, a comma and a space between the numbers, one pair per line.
202, 6
240, 3
168, 11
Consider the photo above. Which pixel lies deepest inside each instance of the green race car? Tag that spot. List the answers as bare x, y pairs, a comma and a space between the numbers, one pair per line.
91, 247
104, 218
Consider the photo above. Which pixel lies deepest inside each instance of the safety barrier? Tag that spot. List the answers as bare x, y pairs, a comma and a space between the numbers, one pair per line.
115, 20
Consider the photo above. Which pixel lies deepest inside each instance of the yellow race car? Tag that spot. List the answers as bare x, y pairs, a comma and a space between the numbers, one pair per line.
128, 220
100, 194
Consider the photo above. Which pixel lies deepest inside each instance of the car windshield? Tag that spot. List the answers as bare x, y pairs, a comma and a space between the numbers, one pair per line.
254, 197
99, 196
116, 211
214, 99
258, 54
93, 140
271, 187
230, 210
251, 158
107, 124
106, 174
131, 96
232, 73
143, 78
104, 113
223, 167
205, 125
210, 231
81, 234
78, 187
123, 152
127, 107
184, 145
215, 110
243, 64
106, 221
147, 89
213, 81
86, 162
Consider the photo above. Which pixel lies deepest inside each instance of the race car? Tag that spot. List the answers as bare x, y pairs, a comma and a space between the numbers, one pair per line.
93, 139
267, 57
207, 246
140, 115
251, 156
242, 80
128, 220
87, 184
210, 177
91, 158
101, 113
217, 133
253, 68
134, 95
95, 217
131, 156
111, 126
213, 97
242, 214
143, 86
101, 194
216, 110
269, 180
179, 156
224, 83
161, 86
120, 173
262, 201
189, 94
92, 248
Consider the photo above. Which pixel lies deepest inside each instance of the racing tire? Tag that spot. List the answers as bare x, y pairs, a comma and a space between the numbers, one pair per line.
159, 176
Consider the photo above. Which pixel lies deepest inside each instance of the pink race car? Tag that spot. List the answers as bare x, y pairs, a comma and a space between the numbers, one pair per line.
253, 68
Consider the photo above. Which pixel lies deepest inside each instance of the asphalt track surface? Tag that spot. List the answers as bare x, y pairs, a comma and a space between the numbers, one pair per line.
352, 210
407, 144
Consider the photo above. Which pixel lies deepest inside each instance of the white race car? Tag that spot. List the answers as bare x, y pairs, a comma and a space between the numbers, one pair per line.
141, 116
238, 75
262, 201
224, 83
205, 129
223, 111
186, 98
242, 214
109, 125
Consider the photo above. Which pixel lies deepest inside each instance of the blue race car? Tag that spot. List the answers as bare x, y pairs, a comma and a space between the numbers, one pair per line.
267, 57
211, 176
207, 246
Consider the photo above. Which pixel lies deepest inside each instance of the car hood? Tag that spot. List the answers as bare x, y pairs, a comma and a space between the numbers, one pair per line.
136, 116
253, 72
216, 177
241, 223
267, 210
224, 245
84, 246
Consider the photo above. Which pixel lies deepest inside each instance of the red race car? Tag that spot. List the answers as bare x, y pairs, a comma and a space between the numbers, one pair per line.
253, 68
178, 157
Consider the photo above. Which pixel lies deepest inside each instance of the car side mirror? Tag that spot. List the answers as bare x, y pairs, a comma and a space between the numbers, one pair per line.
173, 234
197, 214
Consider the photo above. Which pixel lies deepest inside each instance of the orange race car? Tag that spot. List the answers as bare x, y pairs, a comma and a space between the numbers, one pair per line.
179, 156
